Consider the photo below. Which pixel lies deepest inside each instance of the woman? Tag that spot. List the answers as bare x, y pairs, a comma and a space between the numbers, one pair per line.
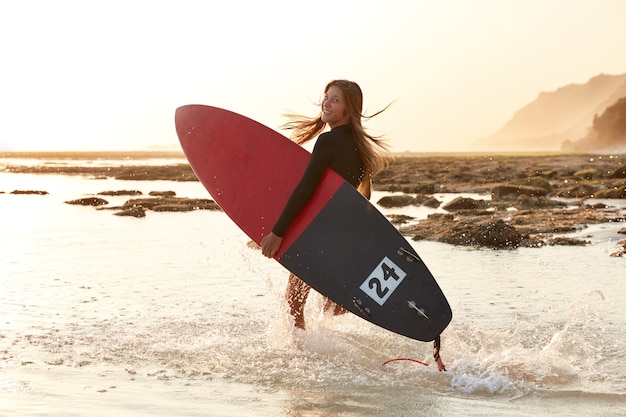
347, 149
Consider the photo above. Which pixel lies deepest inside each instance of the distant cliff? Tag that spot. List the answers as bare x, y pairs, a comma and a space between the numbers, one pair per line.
607, 133
565, 115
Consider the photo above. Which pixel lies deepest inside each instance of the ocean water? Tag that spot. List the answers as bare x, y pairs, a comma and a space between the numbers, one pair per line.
175, 315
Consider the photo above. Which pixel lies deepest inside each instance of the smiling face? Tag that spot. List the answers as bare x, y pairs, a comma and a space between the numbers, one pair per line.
334, 107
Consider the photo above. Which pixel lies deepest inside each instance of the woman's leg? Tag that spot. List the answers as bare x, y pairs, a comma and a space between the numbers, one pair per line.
329, 305
297, 293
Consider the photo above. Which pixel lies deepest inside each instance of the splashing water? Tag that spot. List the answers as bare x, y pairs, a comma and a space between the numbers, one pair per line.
174, 314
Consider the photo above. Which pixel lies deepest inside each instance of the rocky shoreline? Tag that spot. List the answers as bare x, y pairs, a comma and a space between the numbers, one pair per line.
535, 200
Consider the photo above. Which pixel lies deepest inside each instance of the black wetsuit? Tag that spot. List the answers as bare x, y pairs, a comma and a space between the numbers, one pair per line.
337, 150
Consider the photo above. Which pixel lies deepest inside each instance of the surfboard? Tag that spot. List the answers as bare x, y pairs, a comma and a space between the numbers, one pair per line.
340, 244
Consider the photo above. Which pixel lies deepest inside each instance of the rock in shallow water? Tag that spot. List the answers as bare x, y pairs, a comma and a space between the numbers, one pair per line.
33, 192
121, 192
88, 201
132, 212
401, 200
172, 204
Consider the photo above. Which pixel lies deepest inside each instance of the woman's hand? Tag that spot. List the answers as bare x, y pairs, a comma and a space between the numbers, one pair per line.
270, 245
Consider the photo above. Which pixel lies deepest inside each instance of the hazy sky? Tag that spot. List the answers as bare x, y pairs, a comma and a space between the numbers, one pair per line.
102, 75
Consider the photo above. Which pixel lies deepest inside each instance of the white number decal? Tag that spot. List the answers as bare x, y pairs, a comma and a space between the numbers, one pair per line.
383, 281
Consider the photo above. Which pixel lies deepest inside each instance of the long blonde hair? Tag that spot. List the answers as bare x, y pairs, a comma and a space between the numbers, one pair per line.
373, 150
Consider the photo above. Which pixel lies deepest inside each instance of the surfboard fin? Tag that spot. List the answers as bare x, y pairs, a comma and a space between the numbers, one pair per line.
410, 257
364, 310
419, 310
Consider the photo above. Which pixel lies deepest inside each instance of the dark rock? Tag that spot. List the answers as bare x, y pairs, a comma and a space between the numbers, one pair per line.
488, 233
121, 192
619, 172
162, 193
526, 202
132, 212
474, 213
151, 173
618, 191
431, 202
88, 201
400, 200
178, 172
424, 189
399, 219
621, 252
29, 192
441, 217
579, 190
545, 229
101, 208
494, 234
537, 181
392, 188
174, 207
509, 228
464, 203
566, 241
586, 174
173, 202
509, 191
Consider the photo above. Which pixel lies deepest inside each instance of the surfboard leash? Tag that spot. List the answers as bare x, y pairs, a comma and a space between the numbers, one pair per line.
436, 350
436, 355
404, 359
